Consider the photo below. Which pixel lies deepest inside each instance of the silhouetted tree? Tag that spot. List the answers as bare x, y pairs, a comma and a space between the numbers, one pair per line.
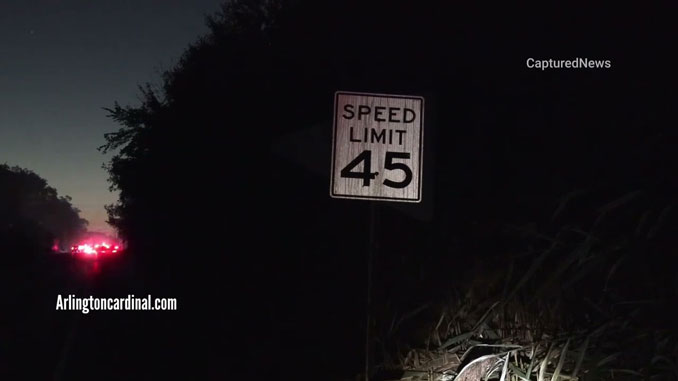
32, 214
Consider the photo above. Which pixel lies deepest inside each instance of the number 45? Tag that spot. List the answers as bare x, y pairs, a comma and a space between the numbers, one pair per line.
366, 158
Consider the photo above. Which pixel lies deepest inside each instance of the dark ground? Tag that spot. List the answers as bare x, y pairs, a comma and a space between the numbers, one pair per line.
218, 330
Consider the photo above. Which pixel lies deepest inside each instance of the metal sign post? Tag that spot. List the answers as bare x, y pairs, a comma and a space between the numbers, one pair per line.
371, 252
377, 155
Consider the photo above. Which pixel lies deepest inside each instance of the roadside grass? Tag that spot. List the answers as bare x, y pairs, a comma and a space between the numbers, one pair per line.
578, 304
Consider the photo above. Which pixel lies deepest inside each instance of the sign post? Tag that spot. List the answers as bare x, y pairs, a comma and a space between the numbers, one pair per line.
377, 149
377, 154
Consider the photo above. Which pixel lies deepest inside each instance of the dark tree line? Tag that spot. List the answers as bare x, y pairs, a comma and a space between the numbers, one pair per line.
202, 191
33, 217
267, 68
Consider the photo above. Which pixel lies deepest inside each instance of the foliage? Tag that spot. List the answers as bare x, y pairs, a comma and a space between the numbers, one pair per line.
581, 304
172, 145
32, 214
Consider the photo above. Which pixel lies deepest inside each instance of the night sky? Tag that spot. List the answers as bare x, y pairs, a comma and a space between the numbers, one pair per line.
62, 61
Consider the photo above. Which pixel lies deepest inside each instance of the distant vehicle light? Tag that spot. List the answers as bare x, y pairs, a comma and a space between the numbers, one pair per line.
92, 250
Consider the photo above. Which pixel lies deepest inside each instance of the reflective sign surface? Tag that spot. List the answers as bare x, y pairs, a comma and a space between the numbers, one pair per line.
377, 147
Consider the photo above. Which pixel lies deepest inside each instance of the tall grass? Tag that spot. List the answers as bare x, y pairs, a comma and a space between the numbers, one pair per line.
580, 303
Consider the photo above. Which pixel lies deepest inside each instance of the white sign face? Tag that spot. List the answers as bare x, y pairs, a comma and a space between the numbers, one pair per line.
377, 147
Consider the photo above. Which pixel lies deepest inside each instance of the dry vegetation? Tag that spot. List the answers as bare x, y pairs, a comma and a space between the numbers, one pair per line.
578, 304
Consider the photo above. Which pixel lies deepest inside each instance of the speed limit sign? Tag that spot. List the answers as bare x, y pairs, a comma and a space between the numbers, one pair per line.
377, 147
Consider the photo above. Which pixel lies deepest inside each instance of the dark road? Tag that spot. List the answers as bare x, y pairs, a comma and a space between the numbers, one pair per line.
218, 330
40, 342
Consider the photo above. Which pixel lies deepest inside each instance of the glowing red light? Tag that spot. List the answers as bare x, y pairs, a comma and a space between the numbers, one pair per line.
92, 249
